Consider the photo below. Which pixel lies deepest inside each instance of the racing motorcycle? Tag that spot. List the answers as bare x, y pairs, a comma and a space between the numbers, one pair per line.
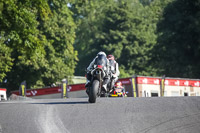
98, 74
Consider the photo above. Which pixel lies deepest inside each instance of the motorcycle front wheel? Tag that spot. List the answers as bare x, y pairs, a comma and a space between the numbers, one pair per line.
93, 91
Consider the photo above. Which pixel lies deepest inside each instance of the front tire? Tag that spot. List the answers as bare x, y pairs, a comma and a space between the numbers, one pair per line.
93, 91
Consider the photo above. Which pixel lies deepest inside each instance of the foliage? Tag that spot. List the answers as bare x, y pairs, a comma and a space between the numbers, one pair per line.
40, 42
130, 36
88, 16
5, 58
178, 45
60, 32
121, 29
19, 25
146, 2
43, 41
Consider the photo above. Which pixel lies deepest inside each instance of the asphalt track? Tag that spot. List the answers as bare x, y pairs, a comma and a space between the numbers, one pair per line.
108, 115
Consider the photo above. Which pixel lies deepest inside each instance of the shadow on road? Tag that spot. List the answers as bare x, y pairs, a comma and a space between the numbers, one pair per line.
52, 103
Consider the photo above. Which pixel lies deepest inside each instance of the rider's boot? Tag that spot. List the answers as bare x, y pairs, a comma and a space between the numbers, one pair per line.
105, 87
87, 83
87, 91
87, 87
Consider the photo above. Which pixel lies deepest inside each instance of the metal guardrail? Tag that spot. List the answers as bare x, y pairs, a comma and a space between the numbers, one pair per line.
16, 97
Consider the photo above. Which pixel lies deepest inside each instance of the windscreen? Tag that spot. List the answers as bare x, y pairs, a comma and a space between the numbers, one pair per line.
101, 60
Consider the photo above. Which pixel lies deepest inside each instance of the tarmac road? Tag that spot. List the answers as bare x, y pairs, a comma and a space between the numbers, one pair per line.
108, 115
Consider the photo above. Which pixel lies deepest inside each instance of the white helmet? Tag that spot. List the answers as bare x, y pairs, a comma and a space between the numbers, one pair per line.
101, 53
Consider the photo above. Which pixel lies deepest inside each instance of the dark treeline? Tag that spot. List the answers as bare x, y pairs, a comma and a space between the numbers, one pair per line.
43, 41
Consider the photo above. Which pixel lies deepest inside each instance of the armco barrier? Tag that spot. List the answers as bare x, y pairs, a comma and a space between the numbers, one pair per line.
143, 87
52, 90
16, 97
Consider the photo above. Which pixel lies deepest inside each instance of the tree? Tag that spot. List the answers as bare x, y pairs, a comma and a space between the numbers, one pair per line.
128, 34
5, 57
18, 22
178, 45
119, 27
88, 15
37, 40
59, 30
146, 2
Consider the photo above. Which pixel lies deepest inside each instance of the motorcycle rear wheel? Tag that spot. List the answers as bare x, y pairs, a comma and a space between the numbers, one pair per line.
93, 91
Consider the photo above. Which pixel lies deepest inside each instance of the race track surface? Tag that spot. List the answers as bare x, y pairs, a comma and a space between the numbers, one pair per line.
108, 115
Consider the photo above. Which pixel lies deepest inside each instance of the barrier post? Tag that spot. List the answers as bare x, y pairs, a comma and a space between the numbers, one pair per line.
64, 89
22, 89
134, 85
162, 86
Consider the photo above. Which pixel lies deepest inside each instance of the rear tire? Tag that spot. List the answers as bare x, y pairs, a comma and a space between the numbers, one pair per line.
93, 91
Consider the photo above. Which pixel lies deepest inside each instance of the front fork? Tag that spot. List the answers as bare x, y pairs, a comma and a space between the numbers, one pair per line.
100, 82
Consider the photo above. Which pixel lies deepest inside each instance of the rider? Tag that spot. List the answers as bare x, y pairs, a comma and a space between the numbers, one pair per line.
118, 85
114, 67
91, 67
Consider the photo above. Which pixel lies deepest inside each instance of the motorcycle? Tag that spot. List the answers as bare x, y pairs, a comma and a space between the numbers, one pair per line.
98, 75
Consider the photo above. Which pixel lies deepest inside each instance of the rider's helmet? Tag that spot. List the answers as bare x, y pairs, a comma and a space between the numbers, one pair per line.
118, 84
111, 57
101, 53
